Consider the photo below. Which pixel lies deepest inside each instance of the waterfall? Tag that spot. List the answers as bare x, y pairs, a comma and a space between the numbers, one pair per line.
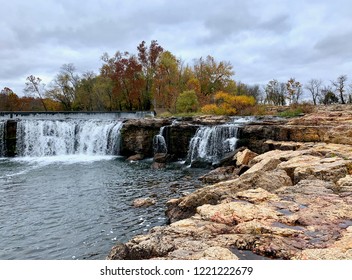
68, 137
2, 138
159, 143
210, 144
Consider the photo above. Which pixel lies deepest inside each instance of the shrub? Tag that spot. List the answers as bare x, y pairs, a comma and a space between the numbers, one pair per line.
187, 102
229, 104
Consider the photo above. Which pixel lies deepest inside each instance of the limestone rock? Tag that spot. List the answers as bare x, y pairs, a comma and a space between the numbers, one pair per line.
292, 204
216, 253
282, 155
268, 180
312, 167
298, 161
217, 175
244, 157
256, 195
144, 202
345, 184
118, 252
267, 164
234, 213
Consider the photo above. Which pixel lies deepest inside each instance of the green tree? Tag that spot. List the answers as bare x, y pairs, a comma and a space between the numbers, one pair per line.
187, 102
328, 96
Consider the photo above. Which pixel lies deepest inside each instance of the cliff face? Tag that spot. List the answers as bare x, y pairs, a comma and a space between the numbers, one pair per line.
324, 126
137, 136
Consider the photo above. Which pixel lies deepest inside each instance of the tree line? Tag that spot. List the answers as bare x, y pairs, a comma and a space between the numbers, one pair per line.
155, 79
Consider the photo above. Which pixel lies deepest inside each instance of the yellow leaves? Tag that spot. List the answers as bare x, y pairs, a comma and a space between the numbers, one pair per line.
212, 109
228, 104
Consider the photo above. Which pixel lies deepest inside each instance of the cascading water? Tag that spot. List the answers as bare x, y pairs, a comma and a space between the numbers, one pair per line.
159, 143
68, 137
2, 138
210, 144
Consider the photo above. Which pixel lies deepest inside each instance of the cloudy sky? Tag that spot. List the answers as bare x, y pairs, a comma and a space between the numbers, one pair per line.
262, 39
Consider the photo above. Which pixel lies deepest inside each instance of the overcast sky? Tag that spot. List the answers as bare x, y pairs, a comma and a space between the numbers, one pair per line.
262, 39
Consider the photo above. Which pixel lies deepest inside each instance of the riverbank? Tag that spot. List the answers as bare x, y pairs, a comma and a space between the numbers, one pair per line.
291, 201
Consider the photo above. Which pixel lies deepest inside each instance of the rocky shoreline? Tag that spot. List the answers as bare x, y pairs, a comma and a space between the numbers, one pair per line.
283, 200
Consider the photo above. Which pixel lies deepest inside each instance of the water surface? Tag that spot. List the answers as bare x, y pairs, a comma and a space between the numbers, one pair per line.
78, 207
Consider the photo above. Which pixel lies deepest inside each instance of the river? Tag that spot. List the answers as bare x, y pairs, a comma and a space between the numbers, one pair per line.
79, 206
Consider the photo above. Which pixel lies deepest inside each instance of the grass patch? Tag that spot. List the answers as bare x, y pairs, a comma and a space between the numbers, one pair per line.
291, 113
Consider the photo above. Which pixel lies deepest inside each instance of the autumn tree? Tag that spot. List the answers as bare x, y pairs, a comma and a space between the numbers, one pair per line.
294, 90
340, 86
35, 86
213, 76
9, 101
166, 81
314, 87
275, 93
148, 58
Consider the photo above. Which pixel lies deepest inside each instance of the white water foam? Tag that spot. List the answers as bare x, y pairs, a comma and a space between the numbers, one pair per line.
210, 144
41, 138
159, 143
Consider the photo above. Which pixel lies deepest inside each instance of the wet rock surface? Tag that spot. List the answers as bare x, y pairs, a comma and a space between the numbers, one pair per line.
288, 205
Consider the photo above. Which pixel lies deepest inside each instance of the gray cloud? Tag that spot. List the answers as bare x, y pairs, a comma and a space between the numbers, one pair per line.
263, 40
337, 46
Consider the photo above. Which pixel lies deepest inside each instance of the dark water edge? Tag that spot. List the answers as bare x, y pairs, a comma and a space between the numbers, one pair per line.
78, 207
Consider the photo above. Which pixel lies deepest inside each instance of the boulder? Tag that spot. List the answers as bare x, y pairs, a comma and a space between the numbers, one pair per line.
136, 157
158, 165
218, 174
144, 202
312, 167
118, 252
267, 164
344, 185
330, 169
160, 160
298, 161
244, 157
161, 157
